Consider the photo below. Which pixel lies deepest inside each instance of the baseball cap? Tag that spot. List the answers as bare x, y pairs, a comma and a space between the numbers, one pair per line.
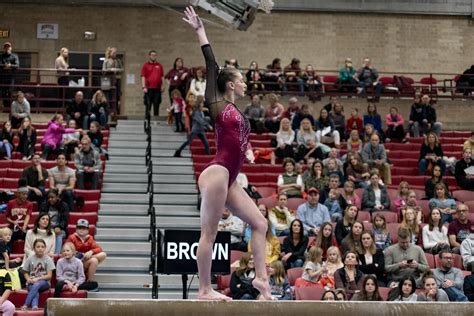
82, 223
23, 189
313, 190
7, 44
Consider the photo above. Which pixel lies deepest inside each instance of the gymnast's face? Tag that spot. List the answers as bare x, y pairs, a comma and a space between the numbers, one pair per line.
239, 86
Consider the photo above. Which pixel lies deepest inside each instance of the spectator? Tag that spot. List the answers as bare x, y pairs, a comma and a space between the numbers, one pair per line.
9, 63
99, 108
394, 123
340, 295
404, 259
307, 143
432, 123
177, 78
329, 295
71, 141
285, 140
354, 122
465, 179
96, 138
375, 197
41, 230
468, 287
5, 249
63, 179
273, 77
6, 140
113, 66
299, 116
469, 143
152, 83
467, 252
35, 177
423, 118
87, 248
290, 182
88, 164
61, 64
27, 135
349, 277
367, 77
273, 113
448, 278
52, 139
20, 109
281, 217
272, 245
312, 270
334, 184
332, 203
292, 75
58, 212
357, 171
353, 240
312, 214
413, 204
443, 202
327, 128
312, 82
332, 103
7, 308
346, 79
431, 153
333, 262
369, 291
344, 225
234, 225
255, 114
435, 235
70, 272
279, 285
382, 238
417, 112
78, 110
38, 270
325, 239
431, 292
292, 110
460, 228
241, 280
198, 83
373, 117
333, 168
177, 109
436, 177
411, 222
405, 291
254, 77
368, 132
465, 83
339, 119
18, 214
375, 156
349, 195
332, 155
317, 178
402, 198
294, 246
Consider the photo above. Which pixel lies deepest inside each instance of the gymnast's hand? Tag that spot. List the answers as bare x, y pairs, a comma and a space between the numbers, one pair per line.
193, 19
249, 155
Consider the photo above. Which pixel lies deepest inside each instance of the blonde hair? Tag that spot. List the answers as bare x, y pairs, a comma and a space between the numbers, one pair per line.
279, 276
70, 245
99, 94
108, 52
338, 252
4, 231
310, 126
315, 255
272, 98
290, 130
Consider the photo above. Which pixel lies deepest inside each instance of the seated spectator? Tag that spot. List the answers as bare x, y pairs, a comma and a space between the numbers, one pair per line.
417, 114
413, 204
353, 240
70, 272
241, 280
410, 222
299, 116
5, 250
307, 142
41, 230
402, 198
405, 291
7, 307
436, 177
349, 277
326, 128
375, 156
52, 139
317, 178
71, 141
91, 253
431, 292
27, 135
356, 171
95, 135
88, 164
272, 245
273, 76
254, 77
404, 259
309, 165
354, 122
373, 118
382, 238
349, 194
18, 214
198, 83
294, 246
332, 203
394, 123
435, 235
332, 154
465, 180
423, 118
234, 225
443, 202
285, 140
312, 214
334, 184
77, 109
369, 130
460, 228
431, 120
6, 140
467, 252
281, 217
312, 269
312, 82
292, 111
292, 75
469, 143
325, 239
255, 113
332, 168
375, 197
431, 153
99, 109
346, 79
20, 108
448, 278
372, 260
35, 177
273, 113
344, 225
328, 295
333, 262
339, 119
63, 179
58, 212
290, 182
468, 287
367, 77
279, 285
369, 291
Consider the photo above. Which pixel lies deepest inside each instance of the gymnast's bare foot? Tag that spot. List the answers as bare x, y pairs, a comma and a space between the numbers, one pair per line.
264, 288
212, 295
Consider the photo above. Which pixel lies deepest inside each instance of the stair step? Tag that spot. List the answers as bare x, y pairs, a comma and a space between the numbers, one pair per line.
141, 153
141, 188
129, 178
162, 161
133, 248
112, 263
123, 234
144, 222
180, 199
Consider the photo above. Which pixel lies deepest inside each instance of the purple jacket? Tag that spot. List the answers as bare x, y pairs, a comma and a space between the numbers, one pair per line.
54, 134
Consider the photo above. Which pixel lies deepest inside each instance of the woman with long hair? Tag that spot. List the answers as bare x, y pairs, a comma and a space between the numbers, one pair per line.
294, 246
410, 222
443, 202
436, 177
27, 135
99, 108
431, 153
353, 240
435, 234
41, 230
357, 171
325, 238
326, 127
372, 260
344, 226
177, 77
61, 64
242, 278
198, 83
317, 178
285, 140
405, 291
272, 245
369, 291
349, 277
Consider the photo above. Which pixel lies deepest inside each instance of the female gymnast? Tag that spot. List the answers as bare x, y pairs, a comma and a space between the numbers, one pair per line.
217, 182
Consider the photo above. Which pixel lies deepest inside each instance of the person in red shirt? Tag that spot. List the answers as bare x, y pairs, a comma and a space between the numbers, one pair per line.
86, 247
177, 78
152, 83
354, 122
18, 214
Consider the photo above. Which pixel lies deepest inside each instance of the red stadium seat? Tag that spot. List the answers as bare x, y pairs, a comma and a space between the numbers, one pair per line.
431, 260
9, 183
384, 292
463, 195
88, 195
266, 191
14, 173
310, 293
21, 164
69, 294
5, 164
89, 206
293, 203
75, 216
470, 205
393, 230
223, 282
390, 217
329, 83
269, 202
18, 298
293, 274
364, 216
19, 246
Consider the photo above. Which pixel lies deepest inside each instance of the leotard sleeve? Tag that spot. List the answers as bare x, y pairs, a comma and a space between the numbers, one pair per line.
212, 71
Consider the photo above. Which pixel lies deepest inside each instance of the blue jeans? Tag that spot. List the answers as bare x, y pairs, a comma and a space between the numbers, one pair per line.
8, 148
285, 232
201, 136
68, 197
59, 242
298, 263
423, 164
34, 292
455, 294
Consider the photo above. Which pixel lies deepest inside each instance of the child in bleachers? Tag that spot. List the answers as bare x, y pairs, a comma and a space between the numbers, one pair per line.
96, 137
38, 270
312, 268
403, 191
354, 123
372, 117
382, 237
410, 222
6, 307
71, 141
5, 262
332, 203
413, 204
27, 135
177, 107
279, 285
333, 168
349, 194
354, 142
443, 202
70, 272
6, 140
333, 261
53, 137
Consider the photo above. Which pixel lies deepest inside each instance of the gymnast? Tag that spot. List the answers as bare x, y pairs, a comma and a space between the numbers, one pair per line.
217, 182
